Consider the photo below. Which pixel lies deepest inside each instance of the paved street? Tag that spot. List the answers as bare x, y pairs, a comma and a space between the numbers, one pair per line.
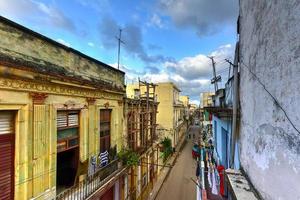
179, 185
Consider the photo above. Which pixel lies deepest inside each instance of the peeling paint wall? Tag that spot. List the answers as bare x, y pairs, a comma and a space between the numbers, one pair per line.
20, 43
269, 145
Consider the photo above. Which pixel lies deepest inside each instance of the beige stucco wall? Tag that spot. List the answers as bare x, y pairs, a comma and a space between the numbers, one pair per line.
23, 45
206, 99
185, 100
35, 140
170, 108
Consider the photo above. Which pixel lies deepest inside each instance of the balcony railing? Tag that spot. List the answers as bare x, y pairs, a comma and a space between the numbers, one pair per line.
91, 184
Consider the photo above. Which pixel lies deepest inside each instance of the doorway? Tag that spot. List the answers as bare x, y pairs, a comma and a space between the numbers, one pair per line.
7, 152
67, 162
67, 149
225, 147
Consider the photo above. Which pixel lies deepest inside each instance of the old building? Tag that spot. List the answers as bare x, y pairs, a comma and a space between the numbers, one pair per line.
186, 104
170, 117
142, 138
269, 63
59, 109
206, 100
193, 107
221, 111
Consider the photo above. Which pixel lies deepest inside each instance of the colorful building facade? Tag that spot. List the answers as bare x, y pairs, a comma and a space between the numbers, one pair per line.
59, 109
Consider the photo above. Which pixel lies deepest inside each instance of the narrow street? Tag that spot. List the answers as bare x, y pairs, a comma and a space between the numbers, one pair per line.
179, 185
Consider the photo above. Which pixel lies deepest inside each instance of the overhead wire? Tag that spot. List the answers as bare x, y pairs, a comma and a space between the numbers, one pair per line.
272, 96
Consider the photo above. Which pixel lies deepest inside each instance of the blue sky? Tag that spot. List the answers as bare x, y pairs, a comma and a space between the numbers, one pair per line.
165, 40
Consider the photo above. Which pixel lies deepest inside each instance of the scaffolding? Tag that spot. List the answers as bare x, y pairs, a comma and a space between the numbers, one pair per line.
141, 118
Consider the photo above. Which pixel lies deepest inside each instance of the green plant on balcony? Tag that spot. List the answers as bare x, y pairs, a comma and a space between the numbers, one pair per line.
166, 148
128, 157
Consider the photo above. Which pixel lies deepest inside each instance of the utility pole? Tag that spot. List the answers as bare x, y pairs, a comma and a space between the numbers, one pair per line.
119, 46
216, 78
234, 106
229, 71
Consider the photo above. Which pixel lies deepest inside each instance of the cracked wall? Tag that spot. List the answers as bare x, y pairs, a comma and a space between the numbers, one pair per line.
269, 145
22, 44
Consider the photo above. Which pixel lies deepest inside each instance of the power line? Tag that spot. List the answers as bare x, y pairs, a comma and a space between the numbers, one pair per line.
223, 70
274, 99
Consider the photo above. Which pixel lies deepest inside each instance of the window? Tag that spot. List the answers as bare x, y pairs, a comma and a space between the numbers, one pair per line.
67, 130
7, 151
105, 123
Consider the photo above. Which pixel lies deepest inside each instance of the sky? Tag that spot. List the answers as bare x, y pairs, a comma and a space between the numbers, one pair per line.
164, 40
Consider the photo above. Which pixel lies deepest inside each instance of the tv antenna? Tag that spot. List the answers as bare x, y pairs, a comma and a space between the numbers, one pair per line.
119, 46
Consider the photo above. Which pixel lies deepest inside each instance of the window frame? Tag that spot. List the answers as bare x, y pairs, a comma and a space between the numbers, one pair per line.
65, 142
105, 140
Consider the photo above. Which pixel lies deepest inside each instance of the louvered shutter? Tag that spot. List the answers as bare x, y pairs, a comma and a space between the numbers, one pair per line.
7, 155
6, 122
62, 119
73, 119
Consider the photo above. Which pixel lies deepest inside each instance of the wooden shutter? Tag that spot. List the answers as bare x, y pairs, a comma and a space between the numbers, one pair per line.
73, 119
62, 119
6, 122
7, 146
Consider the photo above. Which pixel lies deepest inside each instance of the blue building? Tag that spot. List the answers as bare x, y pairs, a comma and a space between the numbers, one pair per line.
222, 127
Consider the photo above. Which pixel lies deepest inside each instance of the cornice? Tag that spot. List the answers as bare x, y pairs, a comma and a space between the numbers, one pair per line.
52, 88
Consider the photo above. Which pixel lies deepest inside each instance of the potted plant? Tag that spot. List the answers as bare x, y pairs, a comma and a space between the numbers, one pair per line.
128, 157
166, 148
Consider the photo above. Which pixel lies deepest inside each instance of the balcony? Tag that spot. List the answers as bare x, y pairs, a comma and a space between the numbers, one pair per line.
178, 103
91, 184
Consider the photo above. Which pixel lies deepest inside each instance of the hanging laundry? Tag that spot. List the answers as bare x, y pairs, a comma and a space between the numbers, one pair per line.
209, 176
220, 169
198, 170
92, 166
198, 191
214, 189
103, 158
217, 177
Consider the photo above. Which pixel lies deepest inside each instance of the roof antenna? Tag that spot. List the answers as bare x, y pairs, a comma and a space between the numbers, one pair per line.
119, 46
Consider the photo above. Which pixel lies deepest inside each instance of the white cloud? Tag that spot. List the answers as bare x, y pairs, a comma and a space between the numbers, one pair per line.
205, 16
191, 74
156, 21
91, 44
63, 42
36, 11
199, 66
197, 102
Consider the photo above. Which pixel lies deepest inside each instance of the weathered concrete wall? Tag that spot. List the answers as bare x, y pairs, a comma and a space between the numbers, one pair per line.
22, 44
165, 115
36, 131
270, 146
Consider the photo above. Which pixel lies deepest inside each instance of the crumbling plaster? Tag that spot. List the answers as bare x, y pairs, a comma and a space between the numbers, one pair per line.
270, 47
24, 45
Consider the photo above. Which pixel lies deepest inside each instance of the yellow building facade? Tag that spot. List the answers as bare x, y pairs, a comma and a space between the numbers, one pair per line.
51, 100
141, 111
185, 100
170, 110
206, 99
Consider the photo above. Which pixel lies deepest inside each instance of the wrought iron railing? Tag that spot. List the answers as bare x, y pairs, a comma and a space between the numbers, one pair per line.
91, 184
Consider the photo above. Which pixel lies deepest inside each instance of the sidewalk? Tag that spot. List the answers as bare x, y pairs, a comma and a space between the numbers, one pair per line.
166, 170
